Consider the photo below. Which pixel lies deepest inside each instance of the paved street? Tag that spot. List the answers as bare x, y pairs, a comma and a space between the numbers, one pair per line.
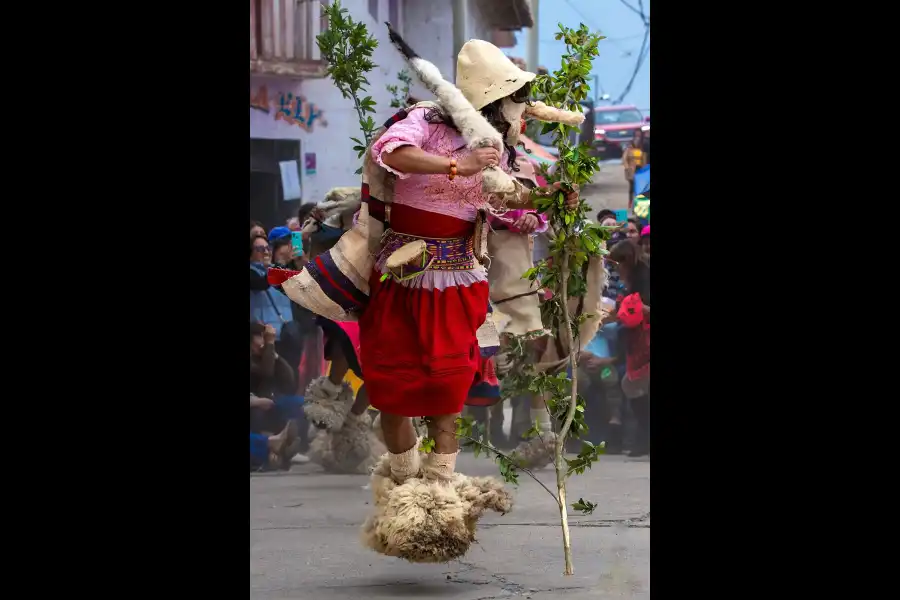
304, 542
609, 189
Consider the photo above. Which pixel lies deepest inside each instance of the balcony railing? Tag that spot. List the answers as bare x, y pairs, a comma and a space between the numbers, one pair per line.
283, 37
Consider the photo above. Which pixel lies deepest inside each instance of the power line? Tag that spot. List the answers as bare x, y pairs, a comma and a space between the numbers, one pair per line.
645, 48
638, 12
594, 25
580, 14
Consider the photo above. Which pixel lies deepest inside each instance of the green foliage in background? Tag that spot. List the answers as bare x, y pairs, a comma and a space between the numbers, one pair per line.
400, 93
347, 48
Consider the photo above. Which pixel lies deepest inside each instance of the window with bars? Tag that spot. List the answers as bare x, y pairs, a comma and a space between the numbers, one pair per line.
286, 31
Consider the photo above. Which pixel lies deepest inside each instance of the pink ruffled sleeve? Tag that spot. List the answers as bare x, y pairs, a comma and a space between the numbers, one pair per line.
542, 222
411, 131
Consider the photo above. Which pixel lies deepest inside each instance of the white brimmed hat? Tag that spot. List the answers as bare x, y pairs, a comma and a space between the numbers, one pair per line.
484, 74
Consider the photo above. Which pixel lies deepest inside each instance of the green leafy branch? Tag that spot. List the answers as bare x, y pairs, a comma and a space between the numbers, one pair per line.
347, 48
400, 93
574, 243
473, 436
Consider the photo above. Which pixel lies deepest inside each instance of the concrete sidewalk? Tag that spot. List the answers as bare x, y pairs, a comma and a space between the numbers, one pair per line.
304, 540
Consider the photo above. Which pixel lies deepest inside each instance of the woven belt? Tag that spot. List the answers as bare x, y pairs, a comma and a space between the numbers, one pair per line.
453, 254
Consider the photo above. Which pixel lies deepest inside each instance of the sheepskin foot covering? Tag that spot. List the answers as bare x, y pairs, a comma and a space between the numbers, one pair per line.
537, 452
406, 464
352, 450
326, 405
429, 518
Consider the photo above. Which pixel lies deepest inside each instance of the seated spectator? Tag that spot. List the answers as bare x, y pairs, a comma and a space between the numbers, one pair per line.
283, 253
271, 451
305, 212
607, 218
270, 374
614, 287
256, 229
260, 259
645, 242
602, 363
599, 365
279, 232
632, 229
635, 274
269, 305
274, 401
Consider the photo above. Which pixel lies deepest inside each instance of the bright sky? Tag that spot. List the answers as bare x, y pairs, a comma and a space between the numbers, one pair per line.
623, 29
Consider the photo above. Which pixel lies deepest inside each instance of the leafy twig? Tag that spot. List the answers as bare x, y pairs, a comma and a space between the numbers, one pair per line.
575, 241
400, 93
347, 48
464, 429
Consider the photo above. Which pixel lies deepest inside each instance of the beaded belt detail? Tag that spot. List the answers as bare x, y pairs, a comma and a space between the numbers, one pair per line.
455, 254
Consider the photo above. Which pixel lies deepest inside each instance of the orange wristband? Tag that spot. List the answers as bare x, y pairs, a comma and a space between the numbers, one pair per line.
452, 169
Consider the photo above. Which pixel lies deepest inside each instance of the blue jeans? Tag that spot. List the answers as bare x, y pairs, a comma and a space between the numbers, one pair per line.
259, 449
274, 419
286, 408
290, 407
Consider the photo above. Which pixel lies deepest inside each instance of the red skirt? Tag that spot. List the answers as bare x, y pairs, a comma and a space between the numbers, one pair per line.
419, 346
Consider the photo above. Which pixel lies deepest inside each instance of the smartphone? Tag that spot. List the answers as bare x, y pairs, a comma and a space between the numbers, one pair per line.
297, 242
608, 304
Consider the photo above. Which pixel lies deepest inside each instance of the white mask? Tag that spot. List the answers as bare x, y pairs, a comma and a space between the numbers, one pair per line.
512, 113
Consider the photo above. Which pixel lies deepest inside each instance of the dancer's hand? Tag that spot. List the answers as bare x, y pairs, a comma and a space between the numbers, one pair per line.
527, 223
477, 160
571, 197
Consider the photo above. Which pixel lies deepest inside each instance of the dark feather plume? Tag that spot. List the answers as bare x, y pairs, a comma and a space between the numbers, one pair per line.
401, 44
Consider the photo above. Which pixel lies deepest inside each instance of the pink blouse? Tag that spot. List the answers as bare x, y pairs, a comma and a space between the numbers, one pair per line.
460, 198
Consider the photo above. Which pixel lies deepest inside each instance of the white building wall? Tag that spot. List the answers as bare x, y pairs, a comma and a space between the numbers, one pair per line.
427, 26
476, 29
428, 29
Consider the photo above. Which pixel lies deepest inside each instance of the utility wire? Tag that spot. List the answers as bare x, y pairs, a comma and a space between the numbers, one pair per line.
639, 12
645, 48
593, 25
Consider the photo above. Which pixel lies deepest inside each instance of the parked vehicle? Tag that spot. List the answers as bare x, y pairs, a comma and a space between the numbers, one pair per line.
614, 128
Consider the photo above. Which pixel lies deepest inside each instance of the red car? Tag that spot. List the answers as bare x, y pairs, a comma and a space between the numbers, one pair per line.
614, 127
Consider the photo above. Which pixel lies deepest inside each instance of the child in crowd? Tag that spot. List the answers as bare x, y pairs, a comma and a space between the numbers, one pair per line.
645, 242
633, 313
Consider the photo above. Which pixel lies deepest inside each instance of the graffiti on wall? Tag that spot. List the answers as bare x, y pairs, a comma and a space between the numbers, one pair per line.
293, 110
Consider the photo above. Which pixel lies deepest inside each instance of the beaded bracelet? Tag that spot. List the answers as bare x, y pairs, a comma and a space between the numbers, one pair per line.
452, 169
